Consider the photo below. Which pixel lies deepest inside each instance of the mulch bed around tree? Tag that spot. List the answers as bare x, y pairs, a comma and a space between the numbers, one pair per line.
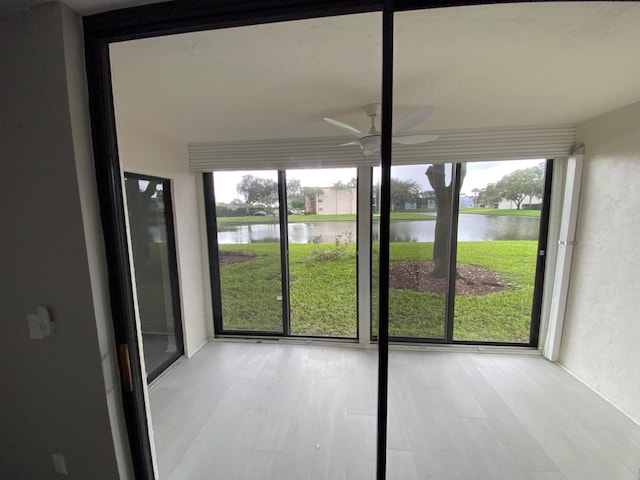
228, 258
472, 280
416, 276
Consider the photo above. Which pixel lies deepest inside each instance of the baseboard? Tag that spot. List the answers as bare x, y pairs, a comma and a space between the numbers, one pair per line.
197, 349
481, 349
637, 422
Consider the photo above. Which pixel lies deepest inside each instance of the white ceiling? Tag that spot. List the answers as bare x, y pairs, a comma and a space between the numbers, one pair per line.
482, 66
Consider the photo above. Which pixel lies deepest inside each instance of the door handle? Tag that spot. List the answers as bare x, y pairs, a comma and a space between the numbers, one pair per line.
125, 367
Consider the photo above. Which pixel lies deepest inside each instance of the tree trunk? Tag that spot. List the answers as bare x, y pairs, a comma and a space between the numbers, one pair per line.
436, 176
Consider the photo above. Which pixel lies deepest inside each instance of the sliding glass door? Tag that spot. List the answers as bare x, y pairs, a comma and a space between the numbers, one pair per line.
249, 251
267, 96
418, 250
499, 225
322, 263
300, 283
465, 247
155, 270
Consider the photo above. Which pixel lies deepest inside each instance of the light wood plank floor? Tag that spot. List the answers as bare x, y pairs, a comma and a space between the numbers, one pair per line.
267, 411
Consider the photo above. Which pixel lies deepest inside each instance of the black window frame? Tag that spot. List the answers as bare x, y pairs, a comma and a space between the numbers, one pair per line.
181, 17
449, 314
214, 269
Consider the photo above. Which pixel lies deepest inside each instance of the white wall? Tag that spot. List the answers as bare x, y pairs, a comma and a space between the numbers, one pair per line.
145, 152
59, 395
602, 327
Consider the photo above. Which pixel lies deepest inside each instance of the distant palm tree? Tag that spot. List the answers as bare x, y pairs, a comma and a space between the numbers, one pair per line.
311, 198
353, 183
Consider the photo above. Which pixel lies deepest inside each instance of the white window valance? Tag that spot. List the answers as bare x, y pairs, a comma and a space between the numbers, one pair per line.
467, 145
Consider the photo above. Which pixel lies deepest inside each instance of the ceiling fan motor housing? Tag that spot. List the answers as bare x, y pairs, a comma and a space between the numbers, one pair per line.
372, 109
370, 144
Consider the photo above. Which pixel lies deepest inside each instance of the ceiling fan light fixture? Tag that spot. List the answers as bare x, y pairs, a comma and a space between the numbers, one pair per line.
370, 144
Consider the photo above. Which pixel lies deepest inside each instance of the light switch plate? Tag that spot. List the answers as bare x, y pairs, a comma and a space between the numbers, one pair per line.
59, 464
34, 326
40, 324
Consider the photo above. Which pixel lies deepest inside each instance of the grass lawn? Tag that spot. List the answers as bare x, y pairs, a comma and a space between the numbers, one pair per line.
502, 316
323, 293
501, 211
323, 218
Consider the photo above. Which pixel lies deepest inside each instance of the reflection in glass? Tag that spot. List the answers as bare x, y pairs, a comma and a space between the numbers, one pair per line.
250, 267
152, 246
266, 410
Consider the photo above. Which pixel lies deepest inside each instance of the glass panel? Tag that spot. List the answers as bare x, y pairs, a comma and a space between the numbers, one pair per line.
375, 250
249, 250
498, 230
418, 250
152, 246
322, 207
268, 410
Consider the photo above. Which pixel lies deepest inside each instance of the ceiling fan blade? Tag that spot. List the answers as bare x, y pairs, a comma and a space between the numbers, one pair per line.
344, 126
412, 120
349, 143
414, 139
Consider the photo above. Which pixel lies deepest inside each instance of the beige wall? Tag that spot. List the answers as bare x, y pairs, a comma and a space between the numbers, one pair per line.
602, 327
334, 201
61, 394
146, 152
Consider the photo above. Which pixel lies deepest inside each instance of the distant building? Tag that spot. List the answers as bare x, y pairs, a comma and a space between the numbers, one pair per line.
467, 201
533, 203
428, 203
333, 201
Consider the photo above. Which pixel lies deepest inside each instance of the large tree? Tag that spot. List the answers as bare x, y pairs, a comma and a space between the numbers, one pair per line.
295, 196
257, 190
523, 183
490, 195
437, 178
404, 191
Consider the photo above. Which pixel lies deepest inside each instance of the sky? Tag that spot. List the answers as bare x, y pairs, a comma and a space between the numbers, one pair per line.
225, 182
479, 174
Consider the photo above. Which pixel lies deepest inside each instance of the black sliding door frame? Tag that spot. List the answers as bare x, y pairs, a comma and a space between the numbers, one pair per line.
541, 262
214, 268
172, 261
214, 256
176, 17
284, 252
456, 173
536, 310
536, 307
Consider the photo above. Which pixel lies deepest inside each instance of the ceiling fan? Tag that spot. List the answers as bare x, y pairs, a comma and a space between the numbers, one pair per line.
370, 141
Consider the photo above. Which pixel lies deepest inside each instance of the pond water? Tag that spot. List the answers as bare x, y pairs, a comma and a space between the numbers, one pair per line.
471, 228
